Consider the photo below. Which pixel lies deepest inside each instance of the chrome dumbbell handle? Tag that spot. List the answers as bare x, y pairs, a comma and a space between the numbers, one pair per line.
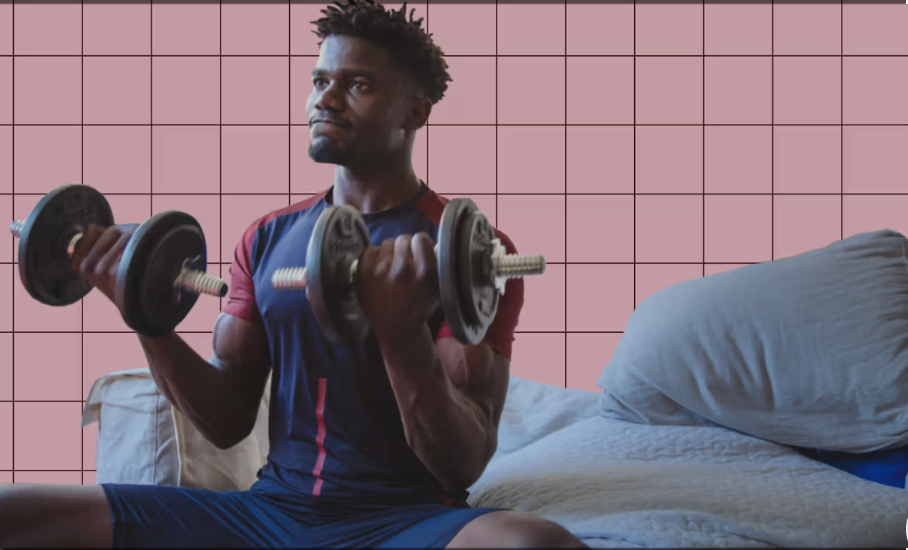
504, 267
294, 278
191, 280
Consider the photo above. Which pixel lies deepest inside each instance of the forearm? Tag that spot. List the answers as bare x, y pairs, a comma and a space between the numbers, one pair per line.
198, 389
450, 433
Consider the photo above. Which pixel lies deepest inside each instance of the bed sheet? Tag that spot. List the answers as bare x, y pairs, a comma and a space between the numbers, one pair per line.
615, 483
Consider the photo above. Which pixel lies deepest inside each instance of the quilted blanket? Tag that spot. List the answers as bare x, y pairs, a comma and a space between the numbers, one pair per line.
619, 484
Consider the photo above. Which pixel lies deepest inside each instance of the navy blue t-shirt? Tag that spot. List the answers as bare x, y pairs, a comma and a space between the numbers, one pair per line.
334, 425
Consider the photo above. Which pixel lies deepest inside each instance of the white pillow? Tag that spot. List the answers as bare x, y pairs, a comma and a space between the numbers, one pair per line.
143, 439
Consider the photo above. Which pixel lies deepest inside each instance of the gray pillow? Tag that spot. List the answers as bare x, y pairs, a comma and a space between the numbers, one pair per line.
808, 351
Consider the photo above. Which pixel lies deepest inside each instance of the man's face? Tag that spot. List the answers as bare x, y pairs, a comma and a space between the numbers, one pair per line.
359, 104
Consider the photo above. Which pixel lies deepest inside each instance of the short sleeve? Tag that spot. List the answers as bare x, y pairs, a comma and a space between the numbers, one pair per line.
241, 297
500, 335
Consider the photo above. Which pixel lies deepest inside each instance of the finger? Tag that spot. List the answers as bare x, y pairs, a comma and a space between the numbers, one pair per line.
367, 262
89, 264
109, 263
90, 236
86, 243
402, 255
383, 258
424, 255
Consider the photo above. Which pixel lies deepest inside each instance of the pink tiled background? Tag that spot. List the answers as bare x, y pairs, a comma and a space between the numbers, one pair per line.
635, 146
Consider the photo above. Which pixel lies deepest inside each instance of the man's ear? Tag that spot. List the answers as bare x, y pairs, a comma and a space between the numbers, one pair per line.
418, 115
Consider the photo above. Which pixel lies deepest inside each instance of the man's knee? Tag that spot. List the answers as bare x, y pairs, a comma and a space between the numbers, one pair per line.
539, 533
507, 529
42, 515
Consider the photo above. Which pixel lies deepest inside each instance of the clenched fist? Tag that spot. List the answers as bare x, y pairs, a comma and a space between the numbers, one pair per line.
398, 285
97, 255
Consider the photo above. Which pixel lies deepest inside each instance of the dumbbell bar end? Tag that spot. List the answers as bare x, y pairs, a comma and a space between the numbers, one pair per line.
189, 279
200, 283
515, 266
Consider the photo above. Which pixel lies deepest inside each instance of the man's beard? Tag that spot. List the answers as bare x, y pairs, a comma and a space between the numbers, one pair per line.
322, 150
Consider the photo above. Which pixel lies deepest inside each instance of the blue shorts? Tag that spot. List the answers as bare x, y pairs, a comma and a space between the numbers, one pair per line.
162, 516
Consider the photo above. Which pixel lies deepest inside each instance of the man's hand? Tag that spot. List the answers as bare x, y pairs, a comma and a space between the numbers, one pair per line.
97, 256
398, 285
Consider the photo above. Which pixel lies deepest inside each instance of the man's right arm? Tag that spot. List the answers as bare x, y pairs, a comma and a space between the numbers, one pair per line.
220, 396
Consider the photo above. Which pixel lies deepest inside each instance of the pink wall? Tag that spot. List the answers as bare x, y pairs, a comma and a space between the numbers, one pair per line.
599, 135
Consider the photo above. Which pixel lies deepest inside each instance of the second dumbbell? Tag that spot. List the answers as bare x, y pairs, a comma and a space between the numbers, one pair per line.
161, 271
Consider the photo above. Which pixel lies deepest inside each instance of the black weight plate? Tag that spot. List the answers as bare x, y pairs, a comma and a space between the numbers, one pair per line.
469, 300
448, 274
340, 237
478, 294
151, 262
44, 265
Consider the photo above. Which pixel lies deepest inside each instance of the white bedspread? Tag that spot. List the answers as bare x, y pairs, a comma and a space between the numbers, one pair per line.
619, 484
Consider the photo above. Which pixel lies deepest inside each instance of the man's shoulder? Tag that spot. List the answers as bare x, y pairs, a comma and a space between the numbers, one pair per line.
271, 218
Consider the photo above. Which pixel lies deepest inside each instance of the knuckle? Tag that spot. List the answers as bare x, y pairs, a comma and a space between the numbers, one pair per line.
87, 268
92, 230
113, 233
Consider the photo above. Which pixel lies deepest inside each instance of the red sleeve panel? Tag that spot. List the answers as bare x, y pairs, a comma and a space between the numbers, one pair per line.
241, 298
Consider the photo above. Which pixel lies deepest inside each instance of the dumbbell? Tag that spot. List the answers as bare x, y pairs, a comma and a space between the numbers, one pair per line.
161, 272
473, 268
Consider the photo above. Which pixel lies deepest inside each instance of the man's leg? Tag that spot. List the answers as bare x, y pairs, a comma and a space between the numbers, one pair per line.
54, 516
141, 516
507, 529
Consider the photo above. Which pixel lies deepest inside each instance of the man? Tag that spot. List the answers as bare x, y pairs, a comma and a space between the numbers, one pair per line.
371, 445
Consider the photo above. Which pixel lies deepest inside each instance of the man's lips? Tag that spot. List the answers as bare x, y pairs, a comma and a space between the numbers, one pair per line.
326, 121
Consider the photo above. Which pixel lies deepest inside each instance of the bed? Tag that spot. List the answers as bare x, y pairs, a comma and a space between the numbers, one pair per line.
615, 483
693, 440
612, 483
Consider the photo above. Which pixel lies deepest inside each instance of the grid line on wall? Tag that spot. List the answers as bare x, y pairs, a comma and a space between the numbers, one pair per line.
82, 181
566, 243
485, 125
221, 136
634, 150
506, 194
13, 239
428, 151
467, 56
289, 128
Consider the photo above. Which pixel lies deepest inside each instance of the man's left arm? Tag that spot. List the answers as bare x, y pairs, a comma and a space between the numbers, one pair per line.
451, 395
452, 428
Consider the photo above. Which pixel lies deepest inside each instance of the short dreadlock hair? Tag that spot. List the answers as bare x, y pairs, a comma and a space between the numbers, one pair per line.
409, 44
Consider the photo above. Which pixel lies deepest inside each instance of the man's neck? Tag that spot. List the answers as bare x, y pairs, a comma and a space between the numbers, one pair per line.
376, 191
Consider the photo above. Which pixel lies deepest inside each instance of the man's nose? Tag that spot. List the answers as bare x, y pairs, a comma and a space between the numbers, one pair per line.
329, 98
